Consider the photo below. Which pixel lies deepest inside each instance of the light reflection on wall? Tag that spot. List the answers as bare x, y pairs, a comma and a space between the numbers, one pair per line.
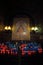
21, 29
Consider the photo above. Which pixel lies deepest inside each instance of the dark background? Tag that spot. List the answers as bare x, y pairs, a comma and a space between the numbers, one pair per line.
9, 9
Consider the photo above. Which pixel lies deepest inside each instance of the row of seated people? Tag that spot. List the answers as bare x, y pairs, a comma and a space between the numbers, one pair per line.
5, 49
25, 48
31, 48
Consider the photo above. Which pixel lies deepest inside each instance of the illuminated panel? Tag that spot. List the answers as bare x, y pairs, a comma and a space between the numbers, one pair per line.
21, 29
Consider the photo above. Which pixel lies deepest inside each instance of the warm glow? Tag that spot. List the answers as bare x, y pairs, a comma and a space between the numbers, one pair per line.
9, 28
6, 28
32, 28
24, 33
36, 28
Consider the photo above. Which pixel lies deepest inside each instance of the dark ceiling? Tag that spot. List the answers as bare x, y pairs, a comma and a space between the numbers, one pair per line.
9, 9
